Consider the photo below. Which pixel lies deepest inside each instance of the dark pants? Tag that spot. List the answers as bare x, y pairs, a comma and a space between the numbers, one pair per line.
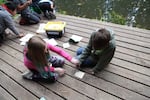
2, 37
89, 61
45, 6
32, 17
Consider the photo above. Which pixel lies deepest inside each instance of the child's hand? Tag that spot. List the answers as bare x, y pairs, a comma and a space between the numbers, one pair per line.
75, 61
93, 72
60, 71
20, 35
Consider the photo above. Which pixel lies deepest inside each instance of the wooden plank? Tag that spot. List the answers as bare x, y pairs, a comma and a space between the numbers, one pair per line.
33, 87
135, 67
5, 48
120, 44
104, 83
129, 58
120, 55
89, 22
132, 59
125, 83
124, 64
131, 66
52, 87
4, 95
134, 47
118, 34
111, 87
14, 88
133, 43
91, 30
90, 94
66, 92
133, 53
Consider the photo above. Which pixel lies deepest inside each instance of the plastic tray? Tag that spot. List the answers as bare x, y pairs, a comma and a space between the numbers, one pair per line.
55, 26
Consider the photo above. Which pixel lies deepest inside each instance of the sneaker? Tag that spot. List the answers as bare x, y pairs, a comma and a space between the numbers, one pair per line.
27, 75
49, 15
52, 15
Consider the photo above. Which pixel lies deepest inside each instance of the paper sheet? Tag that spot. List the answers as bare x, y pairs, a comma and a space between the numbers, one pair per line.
51, 41
79, 74
26, 37
66, 45
76, 38
23, 43
41, 28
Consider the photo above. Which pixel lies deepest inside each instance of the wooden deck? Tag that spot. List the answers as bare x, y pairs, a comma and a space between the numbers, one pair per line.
126, 78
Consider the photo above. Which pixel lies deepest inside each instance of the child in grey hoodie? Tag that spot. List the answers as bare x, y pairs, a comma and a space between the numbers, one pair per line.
6, 12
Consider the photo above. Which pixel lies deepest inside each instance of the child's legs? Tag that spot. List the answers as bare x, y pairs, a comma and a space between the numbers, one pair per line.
88, 62
36, 76
32, 18
45, 6
80, 50
57, 61
37, 15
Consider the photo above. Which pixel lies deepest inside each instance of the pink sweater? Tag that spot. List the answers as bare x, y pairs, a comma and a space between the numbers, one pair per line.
28, 63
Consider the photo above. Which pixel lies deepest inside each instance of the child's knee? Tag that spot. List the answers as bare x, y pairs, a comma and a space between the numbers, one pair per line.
80, 50
57, 61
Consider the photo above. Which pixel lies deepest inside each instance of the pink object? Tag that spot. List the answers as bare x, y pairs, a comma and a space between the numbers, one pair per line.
55, 49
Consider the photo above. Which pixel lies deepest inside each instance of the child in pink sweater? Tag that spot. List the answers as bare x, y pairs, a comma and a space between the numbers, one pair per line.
42, 65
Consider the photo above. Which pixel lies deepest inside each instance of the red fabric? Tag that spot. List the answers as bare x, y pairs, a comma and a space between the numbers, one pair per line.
5, 7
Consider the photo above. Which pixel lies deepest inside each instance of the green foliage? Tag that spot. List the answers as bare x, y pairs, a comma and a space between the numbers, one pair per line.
62, 12
118, 19
2, 1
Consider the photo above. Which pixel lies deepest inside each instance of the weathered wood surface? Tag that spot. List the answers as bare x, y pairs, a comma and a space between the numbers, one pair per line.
127, 77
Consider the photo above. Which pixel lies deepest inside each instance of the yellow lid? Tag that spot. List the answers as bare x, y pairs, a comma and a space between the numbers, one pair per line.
55, 25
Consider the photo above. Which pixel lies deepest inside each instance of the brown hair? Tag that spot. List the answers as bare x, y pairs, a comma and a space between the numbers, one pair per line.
36, 51
101, 39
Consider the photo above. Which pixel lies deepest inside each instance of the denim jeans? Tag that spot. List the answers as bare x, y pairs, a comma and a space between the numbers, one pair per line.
88, 62
31, 17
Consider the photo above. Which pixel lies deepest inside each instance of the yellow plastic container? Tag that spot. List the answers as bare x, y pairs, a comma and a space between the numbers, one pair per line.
55, 29
55, 26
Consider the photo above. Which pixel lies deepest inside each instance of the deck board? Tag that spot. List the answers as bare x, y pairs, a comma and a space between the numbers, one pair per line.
4, 95
127, 77
14, 88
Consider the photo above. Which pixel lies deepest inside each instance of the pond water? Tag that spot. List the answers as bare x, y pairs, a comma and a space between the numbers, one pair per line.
134, 13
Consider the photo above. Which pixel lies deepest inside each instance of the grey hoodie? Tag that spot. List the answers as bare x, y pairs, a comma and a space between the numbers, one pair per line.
6, 21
